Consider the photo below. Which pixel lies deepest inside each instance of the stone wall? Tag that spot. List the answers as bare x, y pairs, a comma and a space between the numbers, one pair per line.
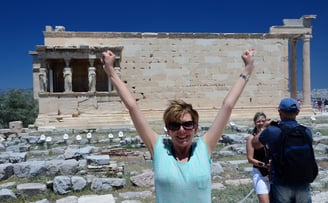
197, 67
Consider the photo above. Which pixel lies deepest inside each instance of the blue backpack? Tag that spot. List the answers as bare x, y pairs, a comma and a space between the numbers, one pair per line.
295, 161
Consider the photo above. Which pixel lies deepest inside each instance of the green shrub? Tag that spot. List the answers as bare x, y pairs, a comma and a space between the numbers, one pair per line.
17, 105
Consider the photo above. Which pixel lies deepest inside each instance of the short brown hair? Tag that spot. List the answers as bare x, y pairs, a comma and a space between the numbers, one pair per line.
176, 109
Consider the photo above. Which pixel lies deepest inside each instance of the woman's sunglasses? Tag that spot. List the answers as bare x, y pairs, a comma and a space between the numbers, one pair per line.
174, 126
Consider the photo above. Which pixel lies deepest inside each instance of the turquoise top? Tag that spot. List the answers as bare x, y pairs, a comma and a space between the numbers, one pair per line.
178, 182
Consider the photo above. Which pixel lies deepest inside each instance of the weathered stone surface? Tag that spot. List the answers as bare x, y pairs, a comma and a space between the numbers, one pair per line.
16, 126
6, 194
7, 157
31, 188
145, 179
98, 160
6, 171
62, 184
97, 198
30, 169
78, 183
101, 184
69, 199
69, 167
133, 195
321, 197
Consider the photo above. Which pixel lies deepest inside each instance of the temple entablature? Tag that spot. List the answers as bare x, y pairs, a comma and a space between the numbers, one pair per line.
296, 27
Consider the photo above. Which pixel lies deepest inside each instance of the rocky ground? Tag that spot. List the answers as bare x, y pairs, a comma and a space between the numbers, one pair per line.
49, 167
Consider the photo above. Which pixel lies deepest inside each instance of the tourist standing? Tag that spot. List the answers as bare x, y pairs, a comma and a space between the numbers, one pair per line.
299, 101
320, 105
259, 158
182, 168
325, 103
282, 191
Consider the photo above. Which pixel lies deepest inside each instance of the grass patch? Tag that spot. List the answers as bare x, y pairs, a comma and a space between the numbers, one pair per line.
234, 194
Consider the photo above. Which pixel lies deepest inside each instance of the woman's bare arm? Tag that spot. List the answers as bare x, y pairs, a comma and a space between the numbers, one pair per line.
213, 135
148, 136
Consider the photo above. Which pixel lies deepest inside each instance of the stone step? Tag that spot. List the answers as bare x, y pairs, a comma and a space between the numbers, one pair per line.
93, 120
83, 121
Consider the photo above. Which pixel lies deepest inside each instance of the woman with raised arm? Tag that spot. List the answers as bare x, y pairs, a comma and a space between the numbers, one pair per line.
182, 168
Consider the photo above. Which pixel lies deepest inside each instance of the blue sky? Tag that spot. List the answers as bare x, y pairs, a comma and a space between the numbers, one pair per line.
23, 22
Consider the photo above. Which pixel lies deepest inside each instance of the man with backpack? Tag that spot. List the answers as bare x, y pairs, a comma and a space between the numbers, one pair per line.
293, 166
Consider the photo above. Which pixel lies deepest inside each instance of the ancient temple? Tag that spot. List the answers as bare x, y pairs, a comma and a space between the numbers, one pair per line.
73, 90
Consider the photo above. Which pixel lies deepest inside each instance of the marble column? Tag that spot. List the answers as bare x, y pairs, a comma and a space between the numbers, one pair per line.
293, 67
51, 80
306, 71
43, 81
92, 79
92, 74
67, 77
